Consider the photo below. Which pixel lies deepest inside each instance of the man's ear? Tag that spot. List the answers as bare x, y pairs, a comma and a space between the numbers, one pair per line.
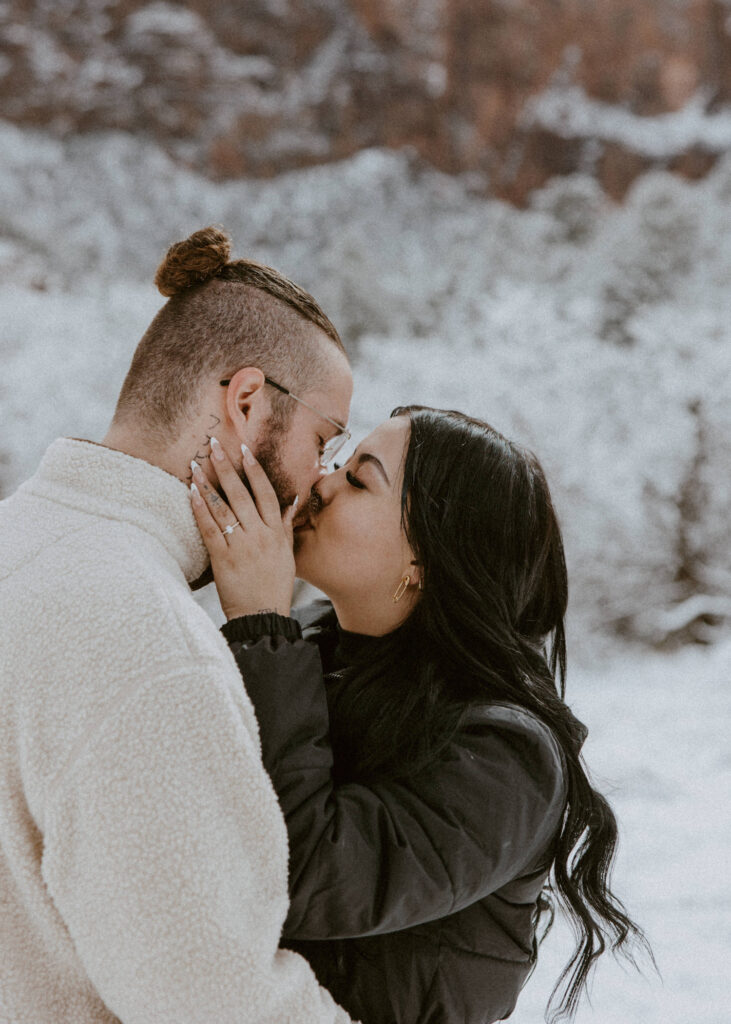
246, 403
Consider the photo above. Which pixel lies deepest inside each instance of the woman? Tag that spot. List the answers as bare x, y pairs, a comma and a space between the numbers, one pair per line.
427, 767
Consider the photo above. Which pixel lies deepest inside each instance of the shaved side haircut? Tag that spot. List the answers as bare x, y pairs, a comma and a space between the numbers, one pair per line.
220, 316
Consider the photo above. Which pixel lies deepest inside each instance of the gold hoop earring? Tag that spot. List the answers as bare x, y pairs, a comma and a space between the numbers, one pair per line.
401, 588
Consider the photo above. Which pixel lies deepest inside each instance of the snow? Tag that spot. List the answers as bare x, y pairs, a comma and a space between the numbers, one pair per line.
599, 335
568, 111
170, 19
658, 748
46, 58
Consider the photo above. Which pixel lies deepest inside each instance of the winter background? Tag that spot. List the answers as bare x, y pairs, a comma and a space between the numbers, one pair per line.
596, 332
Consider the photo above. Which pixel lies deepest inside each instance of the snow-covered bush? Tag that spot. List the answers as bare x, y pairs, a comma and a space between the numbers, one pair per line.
597, 335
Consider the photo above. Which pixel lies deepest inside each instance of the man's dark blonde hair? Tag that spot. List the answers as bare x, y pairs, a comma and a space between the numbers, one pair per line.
220, 316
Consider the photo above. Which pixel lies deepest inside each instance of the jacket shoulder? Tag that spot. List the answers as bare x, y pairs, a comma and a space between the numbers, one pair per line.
530, 743
521, 723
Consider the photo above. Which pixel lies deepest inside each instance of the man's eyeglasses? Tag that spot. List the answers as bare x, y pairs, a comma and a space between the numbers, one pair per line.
330, 448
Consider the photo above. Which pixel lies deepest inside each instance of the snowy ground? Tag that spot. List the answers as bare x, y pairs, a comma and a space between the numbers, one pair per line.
658, 748
590, 332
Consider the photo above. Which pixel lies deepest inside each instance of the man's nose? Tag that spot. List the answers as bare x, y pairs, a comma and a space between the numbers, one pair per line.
326, 485
314, 476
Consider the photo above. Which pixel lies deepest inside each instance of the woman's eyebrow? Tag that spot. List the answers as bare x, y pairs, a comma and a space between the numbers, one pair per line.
368, 457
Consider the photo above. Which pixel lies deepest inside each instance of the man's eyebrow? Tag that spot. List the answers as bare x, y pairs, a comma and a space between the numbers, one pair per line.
368, 457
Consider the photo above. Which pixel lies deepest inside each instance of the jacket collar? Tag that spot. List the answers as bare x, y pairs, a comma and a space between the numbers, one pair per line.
338, 646
112, 485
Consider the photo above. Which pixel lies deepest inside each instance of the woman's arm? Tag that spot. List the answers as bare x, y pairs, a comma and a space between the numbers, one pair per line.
372, 859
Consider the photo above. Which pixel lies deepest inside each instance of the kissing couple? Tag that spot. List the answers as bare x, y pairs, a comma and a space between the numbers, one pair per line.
356, 810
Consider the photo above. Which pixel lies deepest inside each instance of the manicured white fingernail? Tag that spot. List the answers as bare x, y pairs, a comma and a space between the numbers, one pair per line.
216, 450
248, 457
195, 493
194, 467
296, 502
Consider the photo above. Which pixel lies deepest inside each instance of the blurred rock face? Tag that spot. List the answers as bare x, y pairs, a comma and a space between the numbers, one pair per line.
252, 89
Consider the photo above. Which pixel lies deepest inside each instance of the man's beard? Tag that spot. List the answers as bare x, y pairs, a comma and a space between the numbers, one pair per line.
269, 456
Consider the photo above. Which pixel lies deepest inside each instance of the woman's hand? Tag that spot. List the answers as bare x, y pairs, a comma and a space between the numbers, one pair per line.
253, 563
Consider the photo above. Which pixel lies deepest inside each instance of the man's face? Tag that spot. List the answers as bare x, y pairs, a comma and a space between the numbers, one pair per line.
269, 455
290, 454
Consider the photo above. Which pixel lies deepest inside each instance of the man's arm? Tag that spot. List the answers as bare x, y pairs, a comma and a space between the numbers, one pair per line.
165, 854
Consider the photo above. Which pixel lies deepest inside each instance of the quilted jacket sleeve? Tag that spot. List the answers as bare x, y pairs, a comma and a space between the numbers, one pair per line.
366, 860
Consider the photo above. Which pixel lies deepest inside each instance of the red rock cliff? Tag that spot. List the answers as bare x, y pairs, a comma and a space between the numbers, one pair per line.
260, 87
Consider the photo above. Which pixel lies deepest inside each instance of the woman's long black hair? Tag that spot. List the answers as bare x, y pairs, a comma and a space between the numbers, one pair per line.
478, 515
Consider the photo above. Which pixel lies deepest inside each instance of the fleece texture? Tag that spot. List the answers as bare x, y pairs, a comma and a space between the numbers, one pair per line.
143, 854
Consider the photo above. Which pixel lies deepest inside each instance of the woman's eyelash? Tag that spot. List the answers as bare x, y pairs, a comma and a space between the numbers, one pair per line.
354, 481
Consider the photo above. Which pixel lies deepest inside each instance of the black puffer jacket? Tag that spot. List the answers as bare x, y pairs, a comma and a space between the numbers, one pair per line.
414, 902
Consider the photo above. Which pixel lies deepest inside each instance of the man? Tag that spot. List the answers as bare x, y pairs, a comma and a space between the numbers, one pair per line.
143, 857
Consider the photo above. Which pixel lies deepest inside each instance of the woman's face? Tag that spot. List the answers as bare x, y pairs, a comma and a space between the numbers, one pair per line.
355, 549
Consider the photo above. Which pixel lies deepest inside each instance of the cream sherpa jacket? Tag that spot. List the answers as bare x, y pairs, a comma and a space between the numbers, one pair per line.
143, 855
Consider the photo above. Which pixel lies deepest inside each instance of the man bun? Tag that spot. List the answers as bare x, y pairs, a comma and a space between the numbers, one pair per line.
196, 259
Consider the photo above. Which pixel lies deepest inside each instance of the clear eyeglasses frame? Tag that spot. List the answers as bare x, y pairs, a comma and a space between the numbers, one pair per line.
331, 447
